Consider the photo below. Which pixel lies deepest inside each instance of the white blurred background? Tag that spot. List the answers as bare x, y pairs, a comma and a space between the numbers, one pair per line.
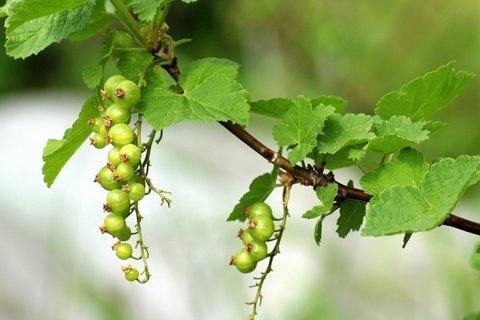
56, 265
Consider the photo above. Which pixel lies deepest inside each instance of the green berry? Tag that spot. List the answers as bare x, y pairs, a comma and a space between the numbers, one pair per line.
114, 224
123, 250
125, 234
131, 274
117, 114
258, 250
124, 172
261, 228
106, 179
259, 209
130, 154
111, 84
96, 124
98, 140
127, 94
136, 191
245, 236
118, 202
121, 134
243, 261
114, 156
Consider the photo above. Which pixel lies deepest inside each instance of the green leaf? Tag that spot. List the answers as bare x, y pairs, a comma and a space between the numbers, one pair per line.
351, 216
274, 108
299, 128
407, 169
425, 95
57, 152
259, 190
341, 131
210, 93
396, 133
475, 257
346, 157
317, 233
35, 24
406, 238
99, 21
326, 195
145, 9
404, 209
92, 75
132, 63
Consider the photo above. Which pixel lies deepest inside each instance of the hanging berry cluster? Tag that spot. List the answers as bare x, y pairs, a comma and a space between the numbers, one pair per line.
123, 175
260, 229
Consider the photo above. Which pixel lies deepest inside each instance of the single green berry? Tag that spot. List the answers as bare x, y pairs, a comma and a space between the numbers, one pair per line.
125, 234
96, 124
120, 134
127, 94
243, 261
118, 202
98, 140
259, 209
107, 180
111, 84
116, 114
131, 274
136, 191
244, 235
123, 250
130, 154
124, 172
114, 224
114, 156
261, 228
258, 250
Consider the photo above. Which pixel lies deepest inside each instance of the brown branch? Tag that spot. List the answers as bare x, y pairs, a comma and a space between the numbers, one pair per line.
310, 177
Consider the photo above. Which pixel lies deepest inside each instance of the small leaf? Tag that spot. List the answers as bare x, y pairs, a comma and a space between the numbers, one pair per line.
337, 102
408, 169
145, 9
396, 133
341, 131
406, 239
425, 95
274, 108
92, 75
259, 190
210, 93
475, 257
57, 152
326, 195
35, 24
132, 63
405, 209
351, 216
299, 128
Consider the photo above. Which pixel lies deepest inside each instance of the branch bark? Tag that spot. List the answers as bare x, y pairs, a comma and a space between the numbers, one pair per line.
310, 177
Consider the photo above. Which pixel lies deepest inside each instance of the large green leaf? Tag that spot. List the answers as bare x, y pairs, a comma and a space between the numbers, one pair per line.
425, 95
209, 93
57, 152
35, 24
405, 209
300, 126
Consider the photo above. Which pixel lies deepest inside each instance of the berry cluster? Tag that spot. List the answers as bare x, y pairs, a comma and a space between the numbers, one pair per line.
120, 176
260, 229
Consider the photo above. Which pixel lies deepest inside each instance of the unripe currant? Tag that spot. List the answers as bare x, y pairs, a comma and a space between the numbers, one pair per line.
124, 172
106, 179
258, 250
130, 154
120, 134
123, 250
244, 235
127, 94
117, 114
114, 224
125, 234
259, 209
98, 140
110, 85
136, 191
118, 202
261, 228
243, 261
96, 124
114, 156
131, 274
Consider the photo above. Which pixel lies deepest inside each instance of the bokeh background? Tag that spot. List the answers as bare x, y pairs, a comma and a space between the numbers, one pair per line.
56, 265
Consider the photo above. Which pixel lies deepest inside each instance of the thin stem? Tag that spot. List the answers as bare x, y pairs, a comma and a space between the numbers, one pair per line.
144, 254
128, 22
257, 301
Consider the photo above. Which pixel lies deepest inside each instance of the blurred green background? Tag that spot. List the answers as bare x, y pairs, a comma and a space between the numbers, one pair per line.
355, 49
